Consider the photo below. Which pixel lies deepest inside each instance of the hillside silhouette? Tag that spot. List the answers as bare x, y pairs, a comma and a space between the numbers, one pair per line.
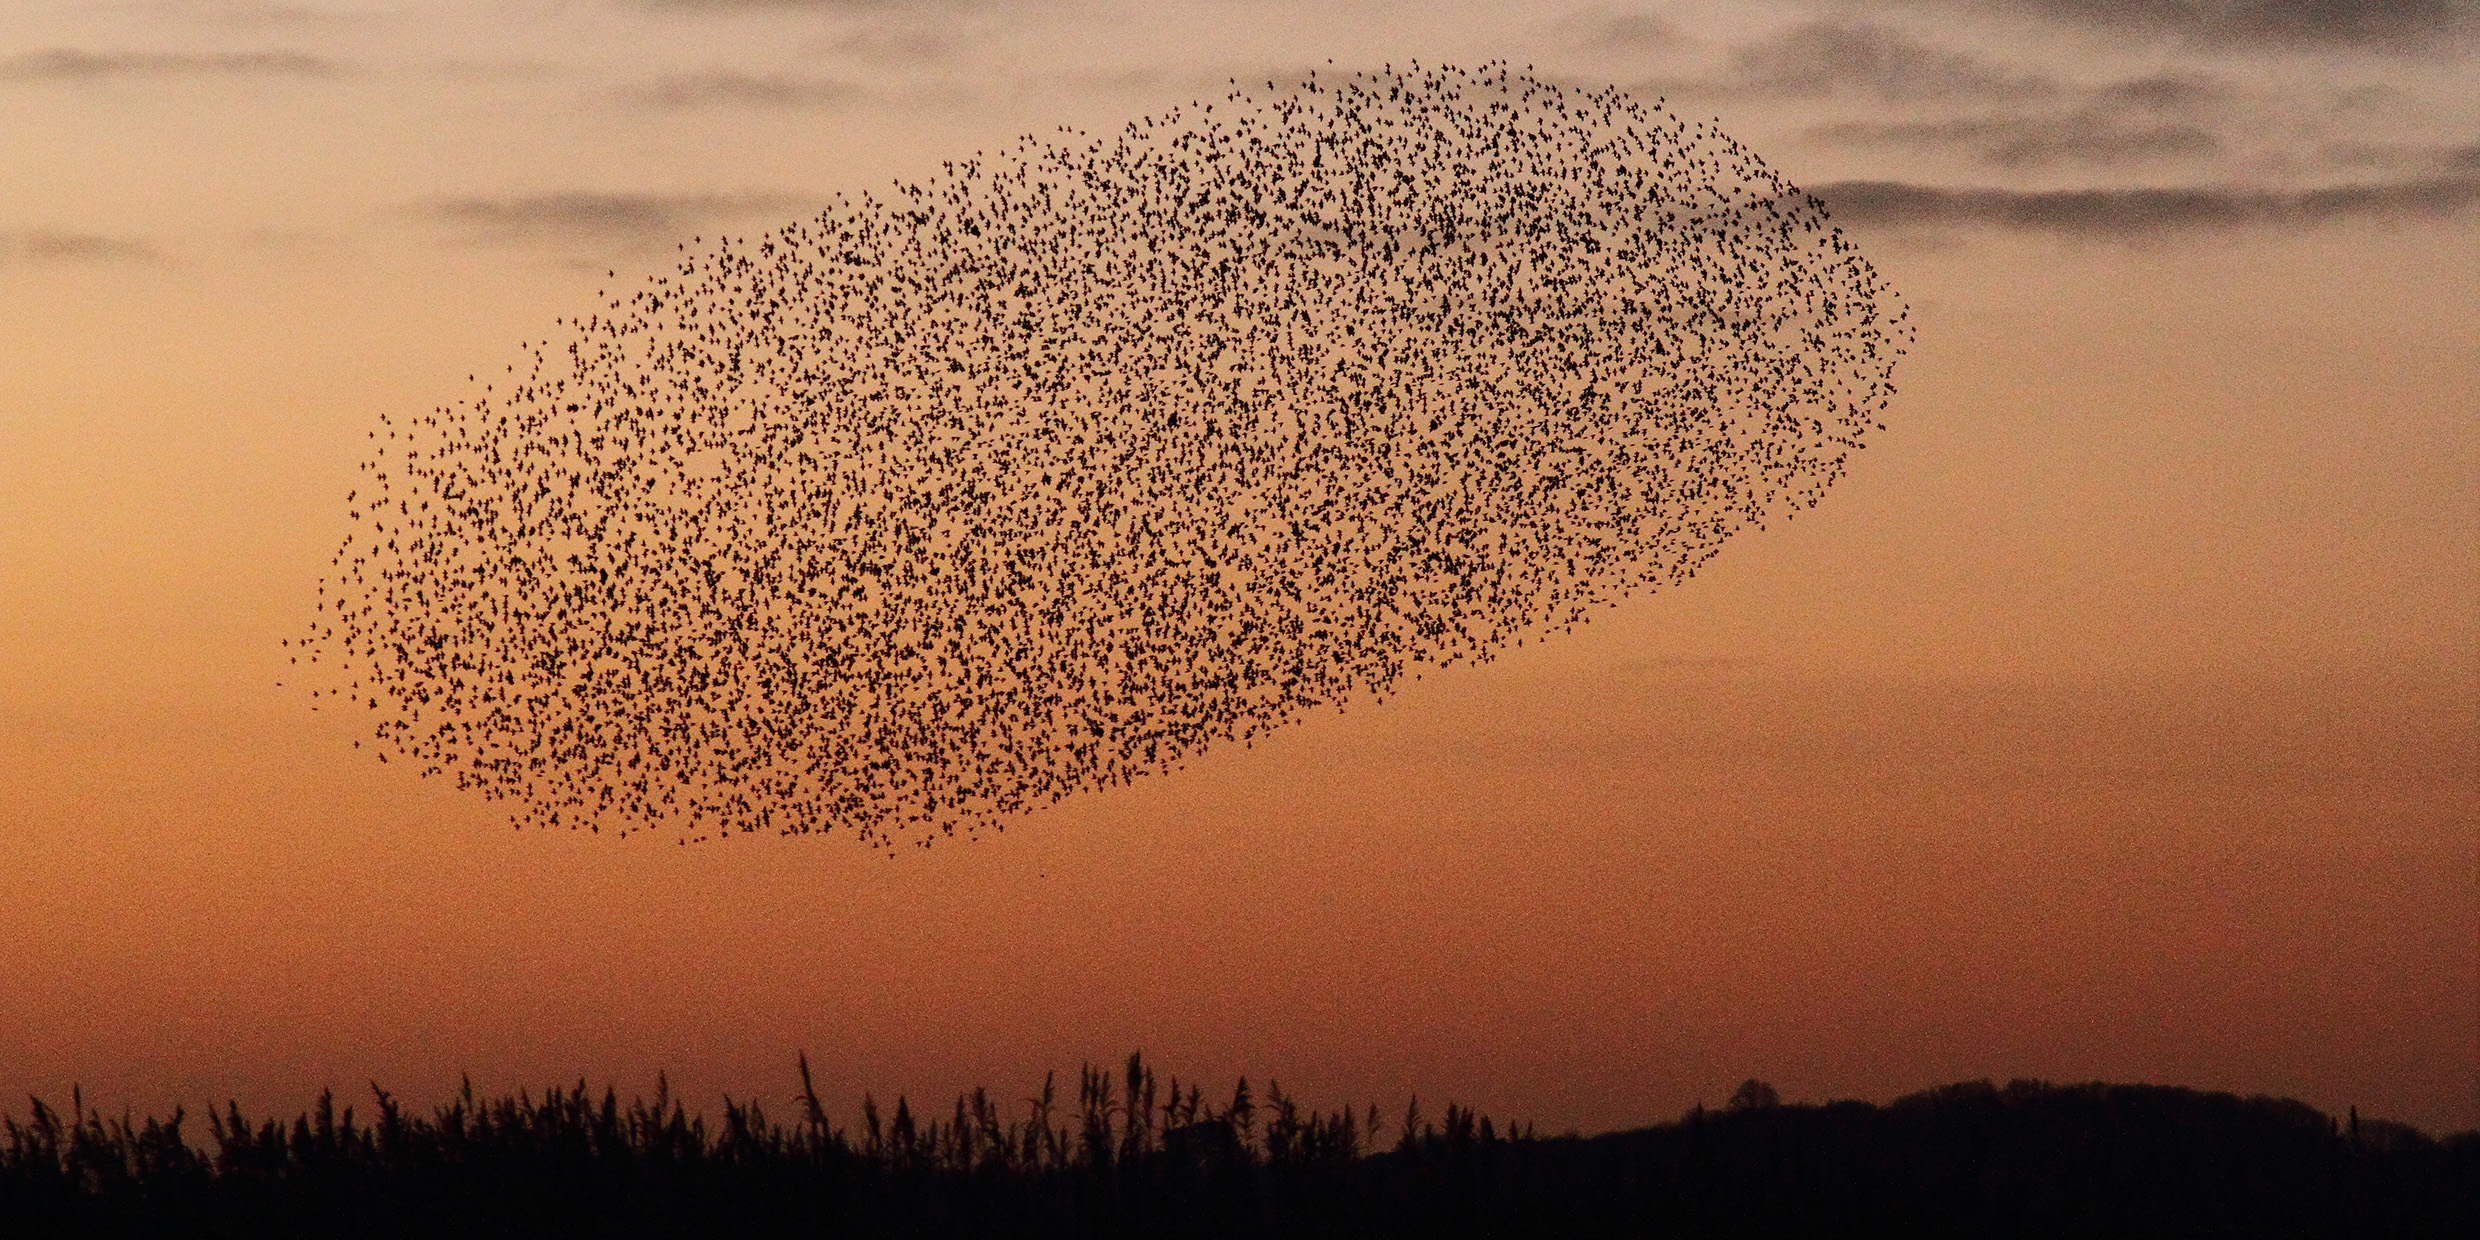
1137, 1158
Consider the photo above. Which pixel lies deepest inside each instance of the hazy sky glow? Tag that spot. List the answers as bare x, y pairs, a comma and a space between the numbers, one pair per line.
2114, 718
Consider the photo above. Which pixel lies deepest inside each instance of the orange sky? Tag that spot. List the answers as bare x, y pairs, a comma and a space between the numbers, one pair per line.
2119, 715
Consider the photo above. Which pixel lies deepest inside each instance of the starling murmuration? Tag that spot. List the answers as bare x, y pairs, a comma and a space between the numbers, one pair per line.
1089, 453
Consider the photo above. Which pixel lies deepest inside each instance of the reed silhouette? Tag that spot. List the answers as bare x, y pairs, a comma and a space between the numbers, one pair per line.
1135, 1157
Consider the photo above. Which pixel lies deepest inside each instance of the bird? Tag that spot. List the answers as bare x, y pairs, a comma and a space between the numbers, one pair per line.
1048, 473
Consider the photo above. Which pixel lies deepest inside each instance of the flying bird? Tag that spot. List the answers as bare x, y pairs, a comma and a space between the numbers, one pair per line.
1055, 469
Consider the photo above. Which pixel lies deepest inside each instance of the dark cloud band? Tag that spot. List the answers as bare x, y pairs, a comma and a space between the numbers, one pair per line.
600, 218
48, 245
2385, 25
696, 90
2024, 142
1827, 57
2130, 212
72, 65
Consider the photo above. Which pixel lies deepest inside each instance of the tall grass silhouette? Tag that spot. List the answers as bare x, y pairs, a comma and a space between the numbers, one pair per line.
1133, 1156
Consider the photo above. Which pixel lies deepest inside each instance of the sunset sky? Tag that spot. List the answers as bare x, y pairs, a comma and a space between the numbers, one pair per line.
2117, 717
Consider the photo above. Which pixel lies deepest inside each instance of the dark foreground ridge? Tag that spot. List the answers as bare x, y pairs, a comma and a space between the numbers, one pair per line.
1977, 1160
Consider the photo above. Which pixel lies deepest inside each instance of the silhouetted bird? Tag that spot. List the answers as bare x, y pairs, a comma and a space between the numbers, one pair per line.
1044, 474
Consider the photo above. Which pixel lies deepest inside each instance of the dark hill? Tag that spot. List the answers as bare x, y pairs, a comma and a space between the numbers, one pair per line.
2025, 1160
2029, 1159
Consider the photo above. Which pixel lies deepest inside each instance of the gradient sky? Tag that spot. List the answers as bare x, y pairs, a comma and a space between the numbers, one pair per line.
2118, 716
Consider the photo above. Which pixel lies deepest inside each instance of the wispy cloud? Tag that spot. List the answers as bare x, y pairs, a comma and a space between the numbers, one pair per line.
1621, 31
2392, 25
2132, 213
249, 13
604, 220
859, 8
2017, 141
904, 42
1928, 98
1836, 57
51, 245
889, 31
477, 70
804, 6
2164, 92
72, 65
724, 89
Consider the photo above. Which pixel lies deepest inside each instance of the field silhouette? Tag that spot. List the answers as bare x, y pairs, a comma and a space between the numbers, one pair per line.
1131, 1156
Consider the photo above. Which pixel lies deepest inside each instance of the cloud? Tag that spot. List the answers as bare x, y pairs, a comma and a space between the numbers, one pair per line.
50, 245
1628, 31
2050, 121
247, 13
723, 89
1831, 57
901, 42
876, 30
472, 70
621, 220
2014, 141
71, 65
2131, 213
801, 6
2164, 92
2385, 25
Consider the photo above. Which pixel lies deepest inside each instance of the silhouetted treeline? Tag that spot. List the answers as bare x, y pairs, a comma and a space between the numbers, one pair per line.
1130, 1159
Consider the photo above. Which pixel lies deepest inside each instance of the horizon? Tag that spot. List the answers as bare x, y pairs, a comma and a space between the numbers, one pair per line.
2113, 720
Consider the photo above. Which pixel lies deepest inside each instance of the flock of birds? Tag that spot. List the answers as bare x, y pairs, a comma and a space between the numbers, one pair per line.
1090, 453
